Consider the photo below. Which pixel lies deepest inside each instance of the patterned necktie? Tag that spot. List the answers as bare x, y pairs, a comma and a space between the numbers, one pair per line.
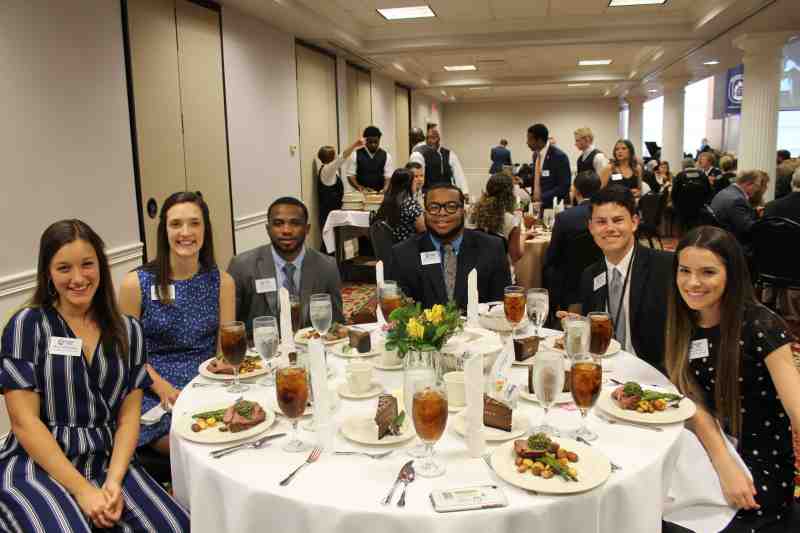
288, 280
450, 266
537, 178
615, 301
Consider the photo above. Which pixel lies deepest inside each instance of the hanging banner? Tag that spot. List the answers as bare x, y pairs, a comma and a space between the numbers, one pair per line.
734, 91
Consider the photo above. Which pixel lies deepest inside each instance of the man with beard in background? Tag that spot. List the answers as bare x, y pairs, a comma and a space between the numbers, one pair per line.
432, 268
286, 262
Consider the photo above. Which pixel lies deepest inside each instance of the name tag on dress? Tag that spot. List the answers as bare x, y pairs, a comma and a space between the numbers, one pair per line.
600, 281
430, 258
698, 349
266, 285
616, 177
65, 346
545, 173
154, 290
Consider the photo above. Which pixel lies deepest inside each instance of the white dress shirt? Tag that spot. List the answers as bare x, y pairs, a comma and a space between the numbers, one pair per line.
600, 160
626, 297
458, 172
388, 168
330, 172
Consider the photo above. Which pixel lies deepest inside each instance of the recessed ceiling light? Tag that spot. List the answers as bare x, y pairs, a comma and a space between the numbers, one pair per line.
399, 67
593, 62
578, 84
711, 63
425, 82
479, 88
404, 13
625, 3
459, 68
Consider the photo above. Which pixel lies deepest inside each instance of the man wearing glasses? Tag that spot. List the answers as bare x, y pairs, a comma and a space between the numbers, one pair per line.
432, 267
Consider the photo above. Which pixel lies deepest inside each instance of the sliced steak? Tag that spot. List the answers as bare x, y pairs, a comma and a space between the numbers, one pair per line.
240, 423
218, 366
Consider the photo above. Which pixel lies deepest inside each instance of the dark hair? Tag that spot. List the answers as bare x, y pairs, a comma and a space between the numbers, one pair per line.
431, 125
448, 186
160, 266
498, 200
681, 321
416, 136
504, 142
413, 165
104, 310
631, 153
539, 132
326, 154
614, 194
399, 189
587, 183
784, 154
371, 131
288, 200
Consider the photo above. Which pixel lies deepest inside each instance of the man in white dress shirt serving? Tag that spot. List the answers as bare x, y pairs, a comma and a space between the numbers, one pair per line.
440, 164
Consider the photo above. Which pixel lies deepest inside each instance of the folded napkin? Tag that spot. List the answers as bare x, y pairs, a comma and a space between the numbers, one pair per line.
378, 285
287, 335
323, 423
472, 299
473, 414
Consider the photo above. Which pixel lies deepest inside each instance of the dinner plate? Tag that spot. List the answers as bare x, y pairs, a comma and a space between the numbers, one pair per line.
343, 349
183, 425
491, 315
519, 425
300, 338
363, 430
593, 469
206, 373
613, 347
562, 397
671, 415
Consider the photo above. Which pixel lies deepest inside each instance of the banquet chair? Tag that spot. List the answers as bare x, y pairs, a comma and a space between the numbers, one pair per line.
581, 252
688, 198
707, 217
155, 464
651, 208
380, 235
771, 238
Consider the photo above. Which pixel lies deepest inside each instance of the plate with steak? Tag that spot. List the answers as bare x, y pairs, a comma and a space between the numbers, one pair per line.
228, 422
217, 368
337, 333
646, 405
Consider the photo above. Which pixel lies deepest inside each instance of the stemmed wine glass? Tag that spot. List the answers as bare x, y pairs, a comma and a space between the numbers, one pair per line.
233, 341
390, 298
548, 382
538, 307
600, 331
514, 306
429, 411
548, 217
266, 339
586, 379
291, 386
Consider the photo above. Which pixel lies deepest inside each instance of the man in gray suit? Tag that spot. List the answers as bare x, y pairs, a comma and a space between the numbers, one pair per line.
732, 205
287, 262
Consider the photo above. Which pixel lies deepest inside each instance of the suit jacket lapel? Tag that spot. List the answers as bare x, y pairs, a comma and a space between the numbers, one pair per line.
600, 296
432, 275
265, 268
306, 285
641, 262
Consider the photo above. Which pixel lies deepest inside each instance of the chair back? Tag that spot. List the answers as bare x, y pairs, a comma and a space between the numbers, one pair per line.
689, 196
707, 217
651, 207
380, 235
581, 252
772, 237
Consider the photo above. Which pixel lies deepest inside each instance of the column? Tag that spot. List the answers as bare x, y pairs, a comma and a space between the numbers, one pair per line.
635, 114
672, 126
758, 126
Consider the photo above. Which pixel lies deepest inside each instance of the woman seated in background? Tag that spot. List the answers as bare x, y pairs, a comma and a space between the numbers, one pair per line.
399, 208
72, 368
664, 176
494, 213
181, 298
733, 357
624, 169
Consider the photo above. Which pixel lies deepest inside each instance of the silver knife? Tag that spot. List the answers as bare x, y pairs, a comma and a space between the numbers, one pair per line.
236, 446
388, 499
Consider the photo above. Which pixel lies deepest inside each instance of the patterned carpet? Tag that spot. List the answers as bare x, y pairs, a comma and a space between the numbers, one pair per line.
358, 298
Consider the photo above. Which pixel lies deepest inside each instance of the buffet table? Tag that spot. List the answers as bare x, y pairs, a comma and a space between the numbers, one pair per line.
342, 218
240, 492
529, 268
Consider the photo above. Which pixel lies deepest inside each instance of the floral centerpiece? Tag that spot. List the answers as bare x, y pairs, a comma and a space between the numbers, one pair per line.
411, 328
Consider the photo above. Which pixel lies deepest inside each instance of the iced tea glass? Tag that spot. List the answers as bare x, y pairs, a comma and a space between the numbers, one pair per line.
600, 331
429, 411
291, 386
233, 341
514, 305
586, 381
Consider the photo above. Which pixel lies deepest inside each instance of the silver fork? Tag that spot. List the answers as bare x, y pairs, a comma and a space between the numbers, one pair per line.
380, 455
614, 466
313, 456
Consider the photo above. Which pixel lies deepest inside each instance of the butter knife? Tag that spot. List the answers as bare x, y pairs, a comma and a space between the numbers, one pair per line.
242, 444
403, 471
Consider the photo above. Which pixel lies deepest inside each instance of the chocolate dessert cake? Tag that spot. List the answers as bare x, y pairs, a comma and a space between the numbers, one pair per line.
386, 415
526, 348
359, 340
496, 414
566, 387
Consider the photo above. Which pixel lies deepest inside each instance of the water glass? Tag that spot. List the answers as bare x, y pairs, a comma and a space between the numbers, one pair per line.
538, 301
266, 339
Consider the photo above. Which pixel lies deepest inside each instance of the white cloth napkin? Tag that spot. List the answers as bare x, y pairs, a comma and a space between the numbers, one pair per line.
378, 285
287, 335
472, 299
473, 417
322, 402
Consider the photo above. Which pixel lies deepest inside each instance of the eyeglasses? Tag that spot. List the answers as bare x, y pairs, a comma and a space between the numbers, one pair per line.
449, 207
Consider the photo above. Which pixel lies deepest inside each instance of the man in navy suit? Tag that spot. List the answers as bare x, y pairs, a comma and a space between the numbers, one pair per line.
551, 175
732, 205
500, 156
789, 205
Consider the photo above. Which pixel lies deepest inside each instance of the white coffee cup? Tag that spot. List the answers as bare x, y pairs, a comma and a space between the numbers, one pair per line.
359, 376
389, 358
454, 383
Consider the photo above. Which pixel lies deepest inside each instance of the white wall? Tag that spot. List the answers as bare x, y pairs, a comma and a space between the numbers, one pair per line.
424, 109
261, 95
472, 129
383, 111
65, 135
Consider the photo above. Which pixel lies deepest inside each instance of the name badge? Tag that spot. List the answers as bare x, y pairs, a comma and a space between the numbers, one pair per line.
155, 289
266, 285
698, 349
430, 258
600, 281
545, 173
65, 346
616, 177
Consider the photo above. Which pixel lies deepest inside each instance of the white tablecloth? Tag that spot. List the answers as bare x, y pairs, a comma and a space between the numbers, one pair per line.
359, 219
342, 493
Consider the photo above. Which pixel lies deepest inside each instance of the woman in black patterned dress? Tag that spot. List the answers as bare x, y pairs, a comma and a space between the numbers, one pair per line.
733, 357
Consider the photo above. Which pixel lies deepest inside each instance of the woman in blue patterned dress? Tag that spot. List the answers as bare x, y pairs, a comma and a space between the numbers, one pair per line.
72, 369
181, 298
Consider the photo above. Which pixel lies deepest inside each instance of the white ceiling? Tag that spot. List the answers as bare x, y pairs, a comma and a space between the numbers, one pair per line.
531, 48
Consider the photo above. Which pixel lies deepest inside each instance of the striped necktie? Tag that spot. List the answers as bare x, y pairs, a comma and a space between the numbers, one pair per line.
450, 267
288, 280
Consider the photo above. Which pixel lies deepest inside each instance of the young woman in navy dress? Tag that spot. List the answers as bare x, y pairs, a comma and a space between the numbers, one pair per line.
181, 298
733, 357
72, 369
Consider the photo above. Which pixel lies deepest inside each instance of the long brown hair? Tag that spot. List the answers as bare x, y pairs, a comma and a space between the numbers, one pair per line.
681, 321
498, 200
160, 266
104, 310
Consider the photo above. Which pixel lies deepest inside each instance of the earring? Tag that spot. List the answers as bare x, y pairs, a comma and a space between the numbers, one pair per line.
51, 288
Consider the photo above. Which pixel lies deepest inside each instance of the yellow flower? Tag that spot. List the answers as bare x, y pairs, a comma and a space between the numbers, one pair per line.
415, 329
435, 314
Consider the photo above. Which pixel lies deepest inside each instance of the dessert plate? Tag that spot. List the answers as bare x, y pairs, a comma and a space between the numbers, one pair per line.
363, 430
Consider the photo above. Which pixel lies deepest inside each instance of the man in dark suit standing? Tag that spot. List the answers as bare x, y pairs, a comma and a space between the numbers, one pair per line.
286, 262
432, 268
500, 155
732, 205
632, 281
551, 172
789, 205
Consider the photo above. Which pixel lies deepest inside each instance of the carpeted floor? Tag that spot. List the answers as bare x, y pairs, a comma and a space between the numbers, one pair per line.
357, 297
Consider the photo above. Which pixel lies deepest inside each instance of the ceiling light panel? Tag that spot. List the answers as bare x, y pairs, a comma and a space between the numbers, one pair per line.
711, 63
594, 62
459, 68
626, 3
578, 84
406, 13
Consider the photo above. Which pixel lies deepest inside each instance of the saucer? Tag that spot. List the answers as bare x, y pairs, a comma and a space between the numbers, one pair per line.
374, 390
381, 366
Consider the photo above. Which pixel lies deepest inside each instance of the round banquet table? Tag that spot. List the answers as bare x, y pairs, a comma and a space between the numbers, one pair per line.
529, 268
342, 494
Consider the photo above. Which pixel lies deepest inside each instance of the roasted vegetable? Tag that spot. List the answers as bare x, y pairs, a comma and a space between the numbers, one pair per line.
539, 441
631, 388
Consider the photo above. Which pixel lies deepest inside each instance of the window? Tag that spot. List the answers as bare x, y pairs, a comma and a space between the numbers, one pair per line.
789, 132
652, 121
696, 114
